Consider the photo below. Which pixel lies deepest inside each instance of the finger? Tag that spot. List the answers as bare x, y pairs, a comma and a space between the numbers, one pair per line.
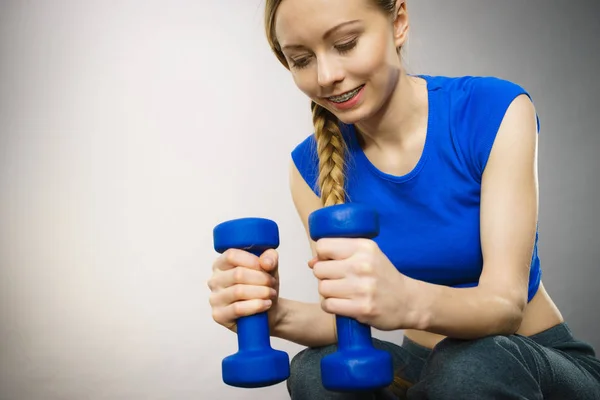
244, 276
211, 283
243, 292
233, 258
335, 269
242, 309
269, 260
343, 307
336, 288
336, 248
312, 262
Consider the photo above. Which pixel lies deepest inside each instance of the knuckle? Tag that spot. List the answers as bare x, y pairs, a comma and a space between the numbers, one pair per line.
238, 292
216, 315
367, 288
317, 270
230, 256
212, 299
325, 305
238, 274
266, 293
269, 280
368, 310
365, 310
322, 287
320, 246
364, 267
272, 253
368, 245
238, 309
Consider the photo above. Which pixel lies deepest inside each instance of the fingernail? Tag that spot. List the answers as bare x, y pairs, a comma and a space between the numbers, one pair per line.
269, 262
267, 303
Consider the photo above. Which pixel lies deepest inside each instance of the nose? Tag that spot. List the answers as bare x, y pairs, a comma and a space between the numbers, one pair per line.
329, 71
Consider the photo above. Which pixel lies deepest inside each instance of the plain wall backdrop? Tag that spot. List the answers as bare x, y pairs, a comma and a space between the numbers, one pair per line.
129, 129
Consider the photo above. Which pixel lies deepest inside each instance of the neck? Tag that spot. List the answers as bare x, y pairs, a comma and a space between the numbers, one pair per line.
399, 118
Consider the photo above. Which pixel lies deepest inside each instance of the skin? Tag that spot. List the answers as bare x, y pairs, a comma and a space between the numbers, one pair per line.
354, 277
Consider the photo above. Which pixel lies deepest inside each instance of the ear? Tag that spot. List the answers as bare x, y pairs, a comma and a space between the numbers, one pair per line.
401, 24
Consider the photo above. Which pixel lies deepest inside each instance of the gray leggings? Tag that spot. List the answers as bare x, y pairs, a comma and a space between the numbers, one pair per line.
549, 365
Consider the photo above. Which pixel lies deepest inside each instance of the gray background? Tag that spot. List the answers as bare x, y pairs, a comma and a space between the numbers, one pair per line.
129, 129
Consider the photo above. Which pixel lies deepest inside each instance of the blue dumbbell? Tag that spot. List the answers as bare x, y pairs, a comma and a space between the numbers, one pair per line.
256, 364
357, 365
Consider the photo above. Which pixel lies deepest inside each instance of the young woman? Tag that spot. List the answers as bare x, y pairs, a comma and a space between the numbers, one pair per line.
450, 164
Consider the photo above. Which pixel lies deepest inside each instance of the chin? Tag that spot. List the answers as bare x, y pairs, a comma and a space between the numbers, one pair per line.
354, 116
351, 118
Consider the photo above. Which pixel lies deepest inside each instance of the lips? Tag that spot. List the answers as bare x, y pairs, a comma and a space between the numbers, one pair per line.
345, 96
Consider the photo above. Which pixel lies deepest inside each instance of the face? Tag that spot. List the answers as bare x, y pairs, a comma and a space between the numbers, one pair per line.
342, 53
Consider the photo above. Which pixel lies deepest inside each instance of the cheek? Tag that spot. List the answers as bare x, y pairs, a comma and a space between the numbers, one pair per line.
305, 82
375, 62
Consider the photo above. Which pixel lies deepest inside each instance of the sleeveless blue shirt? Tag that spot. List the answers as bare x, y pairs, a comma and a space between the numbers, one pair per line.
429, 218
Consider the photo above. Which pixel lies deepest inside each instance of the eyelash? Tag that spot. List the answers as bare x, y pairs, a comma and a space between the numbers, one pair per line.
342, 48
346, 47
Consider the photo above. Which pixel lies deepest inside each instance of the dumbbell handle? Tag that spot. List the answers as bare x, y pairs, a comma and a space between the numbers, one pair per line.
253, 330
352, 333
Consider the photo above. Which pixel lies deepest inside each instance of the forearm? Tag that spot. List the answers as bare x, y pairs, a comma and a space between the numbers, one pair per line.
464, 313
304, 323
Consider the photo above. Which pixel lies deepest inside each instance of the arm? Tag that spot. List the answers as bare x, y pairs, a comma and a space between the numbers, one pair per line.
509, 209
293, 317
304, 323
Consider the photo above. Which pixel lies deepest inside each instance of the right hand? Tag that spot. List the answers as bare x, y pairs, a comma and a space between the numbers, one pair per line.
243, 284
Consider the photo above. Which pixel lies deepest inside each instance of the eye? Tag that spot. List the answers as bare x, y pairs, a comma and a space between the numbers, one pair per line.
300, 63
346, 46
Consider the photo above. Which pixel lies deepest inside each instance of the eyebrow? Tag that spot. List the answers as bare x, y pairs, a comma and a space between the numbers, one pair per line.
326, 35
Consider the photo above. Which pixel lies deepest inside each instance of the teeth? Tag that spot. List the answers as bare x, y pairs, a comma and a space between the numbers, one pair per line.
345, 97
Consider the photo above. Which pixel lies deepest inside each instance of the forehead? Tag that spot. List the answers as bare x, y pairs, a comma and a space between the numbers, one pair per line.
301, 21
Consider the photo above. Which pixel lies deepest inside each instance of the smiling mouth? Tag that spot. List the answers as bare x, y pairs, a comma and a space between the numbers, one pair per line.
345, 96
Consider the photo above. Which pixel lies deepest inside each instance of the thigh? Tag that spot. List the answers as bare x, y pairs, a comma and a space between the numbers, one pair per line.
488, 368
507, 367
571, 371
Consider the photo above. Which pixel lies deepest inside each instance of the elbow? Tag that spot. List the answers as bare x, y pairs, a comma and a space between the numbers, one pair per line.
506, 303
512, 311
512, 321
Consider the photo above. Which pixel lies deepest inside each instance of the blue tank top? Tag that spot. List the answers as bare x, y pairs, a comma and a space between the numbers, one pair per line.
430, 227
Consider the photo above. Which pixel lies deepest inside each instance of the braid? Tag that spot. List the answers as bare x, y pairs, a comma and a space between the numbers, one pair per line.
331, 149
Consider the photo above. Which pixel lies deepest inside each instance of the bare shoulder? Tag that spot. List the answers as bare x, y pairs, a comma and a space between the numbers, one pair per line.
517, 134
305, 200
520, 118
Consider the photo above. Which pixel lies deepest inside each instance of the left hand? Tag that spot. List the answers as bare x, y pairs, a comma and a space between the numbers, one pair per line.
357, 280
